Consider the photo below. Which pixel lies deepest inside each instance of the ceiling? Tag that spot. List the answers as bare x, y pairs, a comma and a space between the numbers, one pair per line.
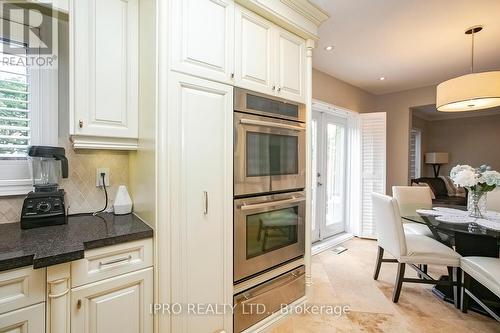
412, 43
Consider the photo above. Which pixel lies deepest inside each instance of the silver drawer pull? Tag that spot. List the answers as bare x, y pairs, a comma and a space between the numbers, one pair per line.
205, 200
115, 261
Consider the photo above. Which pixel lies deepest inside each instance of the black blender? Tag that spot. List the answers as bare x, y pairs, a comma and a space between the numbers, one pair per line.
45, 205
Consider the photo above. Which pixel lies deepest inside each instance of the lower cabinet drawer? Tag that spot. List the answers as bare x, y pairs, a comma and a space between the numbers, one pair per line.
283, 289
21, 287
110, 261
26, 320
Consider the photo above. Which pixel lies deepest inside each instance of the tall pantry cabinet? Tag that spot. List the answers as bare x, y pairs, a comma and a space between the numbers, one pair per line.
201, 54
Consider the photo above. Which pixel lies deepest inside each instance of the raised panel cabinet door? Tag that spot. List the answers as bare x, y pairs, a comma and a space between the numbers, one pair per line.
119, 304
26, 320
253, 52
105, 68
203, 38
201, 114
290, 66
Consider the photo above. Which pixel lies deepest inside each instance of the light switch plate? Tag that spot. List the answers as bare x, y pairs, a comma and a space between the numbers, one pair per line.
98, 178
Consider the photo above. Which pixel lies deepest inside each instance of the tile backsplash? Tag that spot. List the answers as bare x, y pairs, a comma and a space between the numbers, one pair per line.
82, 193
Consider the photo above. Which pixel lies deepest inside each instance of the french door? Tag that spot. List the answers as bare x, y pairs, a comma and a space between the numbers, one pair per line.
329, 175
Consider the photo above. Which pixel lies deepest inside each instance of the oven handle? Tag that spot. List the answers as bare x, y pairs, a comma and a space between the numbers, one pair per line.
270, 124
271, 203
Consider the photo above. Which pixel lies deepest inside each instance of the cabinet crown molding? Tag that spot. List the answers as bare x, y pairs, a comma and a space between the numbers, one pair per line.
309, 10
298, 16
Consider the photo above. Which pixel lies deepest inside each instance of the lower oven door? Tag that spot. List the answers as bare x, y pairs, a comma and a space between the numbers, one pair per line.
268, 231
255, 304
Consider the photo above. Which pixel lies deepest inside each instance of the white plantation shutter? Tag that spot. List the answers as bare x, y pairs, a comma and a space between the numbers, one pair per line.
415, 152
15, 129
373, 166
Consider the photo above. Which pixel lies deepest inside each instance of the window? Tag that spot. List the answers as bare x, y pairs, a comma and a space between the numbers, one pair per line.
28, 109
15, 133
415, 154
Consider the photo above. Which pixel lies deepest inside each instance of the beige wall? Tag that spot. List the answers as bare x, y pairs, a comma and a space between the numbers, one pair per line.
397, 106
472, 141
328, 89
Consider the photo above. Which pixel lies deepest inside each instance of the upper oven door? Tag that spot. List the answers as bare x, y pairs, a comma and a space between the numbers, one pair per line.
269, 154
268, 231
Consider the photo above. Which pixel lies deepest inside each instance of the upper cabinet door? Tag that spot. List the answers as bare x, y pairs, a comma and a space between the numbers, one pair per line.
203, 38
290, 66
253, 52
105, 68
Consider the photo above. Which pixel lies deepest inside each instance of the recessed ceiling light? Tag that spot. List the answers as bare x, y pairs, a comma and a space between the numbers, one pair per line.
329, 48
382, 78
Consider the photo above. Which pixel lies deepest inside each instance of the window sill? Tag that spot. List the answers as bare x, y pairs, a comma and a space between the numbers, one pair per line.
15, 187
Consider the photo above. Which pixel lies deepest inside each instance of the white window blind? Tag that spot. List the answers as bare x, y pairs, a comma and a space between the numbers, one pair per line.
415, 152
373, 166
15, 129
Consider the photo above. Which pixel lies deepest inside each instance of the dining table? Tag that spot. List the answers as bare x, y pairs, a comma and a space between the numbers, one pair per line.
469, 236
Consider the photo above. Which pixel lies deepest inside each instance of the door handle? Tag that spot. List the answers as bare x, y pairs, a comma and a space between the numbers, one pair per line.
205, 202
245, 121
320, 184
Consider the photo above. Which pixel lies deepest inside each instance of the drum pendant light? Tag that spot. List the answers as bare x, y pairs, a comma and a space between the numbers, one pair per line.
475, 91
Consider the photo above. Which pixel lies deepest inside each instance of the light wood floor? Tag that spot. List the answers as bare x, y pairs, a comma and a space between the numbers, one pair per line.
347, 279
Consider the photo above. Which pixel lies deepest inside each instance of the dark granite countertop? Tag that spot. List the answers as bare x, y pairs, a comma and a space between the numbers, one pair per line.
52, 245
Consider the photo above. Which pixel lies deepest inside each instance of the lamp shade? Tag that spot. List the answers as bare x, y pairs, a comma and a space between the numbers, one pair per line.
469, 92
436, 158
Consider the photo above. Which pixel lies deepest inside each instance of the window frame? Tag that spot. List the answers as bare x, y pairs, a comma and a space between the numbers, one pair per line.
16, 172
418, 153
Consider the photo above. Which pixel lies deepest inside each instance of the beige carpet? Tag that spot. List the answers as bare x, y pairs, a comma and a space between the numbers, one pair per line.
347, 279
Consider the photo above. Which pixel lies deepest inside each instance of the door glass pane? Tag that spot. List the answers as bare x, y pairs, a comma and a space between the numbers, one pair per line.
271, 154
271, 230
335, 174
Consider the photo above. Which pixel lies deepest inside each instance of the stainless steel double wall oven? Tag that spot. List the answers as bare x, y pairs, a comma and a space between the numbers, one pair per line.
269, 179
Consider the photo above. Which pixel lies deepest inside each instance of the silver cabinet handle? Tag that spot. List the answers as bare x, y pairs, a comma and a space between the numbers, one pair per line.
271, 203
274, 87
279, 89
205, 200
115, 261
270, 124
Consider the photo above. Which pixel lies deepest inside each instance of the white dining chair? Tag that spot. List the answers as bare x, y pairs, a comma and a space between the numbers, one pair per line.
484, 270
409, 249
493, 200
411, 198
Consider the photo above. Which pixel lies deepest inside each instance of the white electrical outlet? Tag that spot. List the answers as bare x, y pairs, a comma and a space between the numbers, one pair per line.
98, 177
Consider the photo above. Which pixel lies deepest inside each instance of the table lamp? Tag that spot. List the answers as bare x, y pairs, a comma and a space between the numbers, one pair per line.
436, 160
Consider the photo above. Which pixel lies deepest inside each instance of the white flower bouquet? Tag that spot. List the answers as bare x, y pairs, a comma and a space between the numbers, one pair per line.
478, 182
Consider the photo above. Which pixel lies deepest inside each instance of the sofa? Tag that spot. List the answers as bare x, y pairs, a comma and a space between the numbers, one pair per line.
438, 187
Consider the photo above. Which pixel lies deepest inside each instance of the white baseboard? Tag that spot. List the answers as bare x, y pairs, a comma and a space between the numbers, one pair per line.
330, 242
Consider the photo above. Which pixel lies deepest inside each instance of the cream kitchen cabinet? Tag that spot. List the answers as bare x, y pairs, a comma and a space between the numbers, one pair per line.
200, 126
268, 59
202, 38
104, 74
26, 320
119, 304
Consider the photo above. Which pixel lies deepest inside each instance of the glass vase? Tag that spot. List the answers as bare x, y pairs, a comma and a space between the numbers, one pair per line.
476, 203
